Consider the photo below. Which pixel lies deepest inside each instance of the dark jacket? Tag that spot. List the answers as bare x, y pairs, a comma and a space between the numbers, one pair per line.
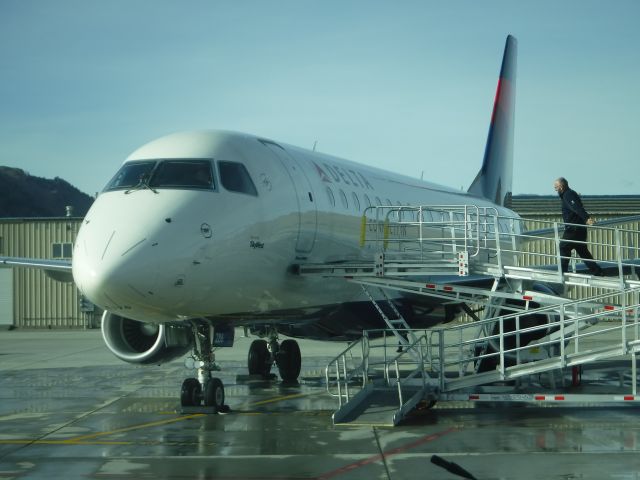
572, 209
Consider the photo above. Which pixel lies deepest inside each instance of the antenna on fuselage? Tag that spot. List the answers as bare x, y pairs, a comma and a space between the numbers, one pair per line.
314, 145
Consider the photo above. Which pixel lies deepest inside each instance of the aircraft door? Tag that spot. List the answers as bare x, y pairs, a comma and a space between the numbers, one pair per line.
307, 211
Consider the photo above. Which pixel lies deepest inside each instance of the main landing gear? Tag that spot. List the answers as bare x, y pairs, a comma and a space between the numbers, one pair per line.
205, 390
286, 355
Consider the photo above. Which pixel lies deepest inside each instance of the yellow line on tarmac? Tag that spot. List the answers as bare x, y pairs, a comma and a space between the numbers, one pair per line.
82, 440
134, 427
280, 399
178, 419
59, 442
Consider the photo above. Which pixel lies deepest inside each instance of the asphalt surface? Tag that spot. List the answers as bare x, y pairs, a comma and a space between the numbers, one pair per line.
70, 409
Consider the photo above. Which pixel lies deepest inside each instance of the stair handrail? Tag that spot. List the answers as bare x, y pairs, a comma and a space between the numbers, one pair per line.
343, 377
462, 221
571, 322
485, 234
624, 251
415, 353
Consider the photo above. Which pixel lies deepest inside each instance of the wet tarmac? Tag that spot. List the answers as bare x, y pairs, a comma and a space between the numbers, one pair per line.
69, 409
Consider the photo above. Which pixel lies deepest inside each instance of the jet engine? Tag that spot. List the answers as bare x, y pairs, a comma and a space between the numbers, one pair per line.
144, 343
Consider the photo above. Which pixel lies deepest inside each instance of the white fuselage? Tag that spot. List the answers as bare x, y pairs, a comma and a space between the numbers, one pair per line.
164, 254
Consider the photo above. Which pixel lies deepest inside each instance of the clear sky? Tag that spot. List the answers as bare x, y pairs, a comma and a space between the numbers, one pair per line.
406, 86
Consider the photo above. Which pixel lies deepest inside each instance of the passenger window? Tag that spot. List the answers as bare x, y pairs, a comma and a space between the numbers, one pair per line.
378, 202
235, 178
130, 175
356, 201
332, 199
182, 174
367, 201
343, 197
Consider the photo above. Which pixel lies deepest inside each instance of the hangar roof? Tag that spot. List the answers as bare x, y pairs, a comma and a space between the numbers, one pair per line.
595, 204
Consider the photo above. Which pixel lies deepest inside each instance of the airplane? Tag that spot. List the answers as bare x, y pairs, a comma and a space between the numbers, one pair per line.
198, 233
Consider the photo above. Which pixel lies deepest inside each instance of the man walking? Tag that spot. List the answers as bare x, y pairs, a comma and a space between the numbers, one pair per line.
575, 234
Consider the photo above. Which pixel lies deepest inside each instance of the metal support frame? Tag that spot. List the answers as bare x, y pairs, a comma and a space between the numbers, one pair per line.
462, 238
203, 352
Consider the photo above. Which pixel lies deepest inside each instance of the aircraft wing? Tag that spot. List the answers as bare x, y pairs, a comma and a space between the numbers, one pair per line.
55, 265
59, 270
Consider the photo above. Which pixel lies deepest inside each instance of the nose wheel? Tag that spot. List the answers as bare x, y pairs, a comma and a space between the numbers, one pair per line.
214, 394
193, 395
204, 391
190, 393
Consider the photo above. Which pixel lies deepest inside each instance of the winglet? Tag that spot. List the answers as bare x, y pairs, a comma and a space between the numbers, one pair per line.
494, 179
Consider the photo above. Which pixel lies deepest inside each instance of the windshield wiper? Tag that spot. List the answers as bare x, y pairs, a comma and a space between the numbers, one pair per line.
142, 184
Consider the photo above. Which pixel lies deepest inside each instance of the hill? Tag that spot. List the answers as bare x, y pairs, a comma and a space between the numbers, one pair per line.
23, 195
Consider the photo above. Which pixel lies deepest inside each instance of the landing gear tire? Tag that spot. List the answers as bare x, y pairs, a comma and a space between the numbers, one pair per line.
190, 393
259, 360
289, 360
214, 394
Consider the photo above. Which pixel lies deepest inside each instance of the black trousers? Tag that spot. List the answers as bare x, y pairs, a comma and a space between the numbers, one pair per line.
573, 239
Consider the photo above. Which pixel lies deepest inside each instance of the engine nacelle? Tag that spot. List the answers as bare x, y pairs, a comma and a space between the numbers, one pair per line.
144, 343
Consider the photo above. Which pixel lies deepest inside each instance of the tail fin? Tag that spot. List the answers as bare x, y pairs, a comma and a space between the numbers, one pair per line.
494, 179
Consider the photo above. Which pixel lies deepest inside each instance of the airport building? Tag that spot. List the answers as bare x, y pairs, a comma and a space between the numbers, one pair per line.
30, 298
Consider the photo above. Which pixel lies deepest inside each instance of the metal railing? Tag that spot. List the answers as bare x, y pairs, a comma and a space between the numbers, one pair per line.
427, 230
530, 340
376, 355
348, 371
439, 232
510, 341
517, 344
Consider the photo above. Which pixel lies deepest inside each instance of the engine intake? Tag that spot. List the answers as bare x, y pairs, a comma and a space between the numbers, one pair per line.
144, 343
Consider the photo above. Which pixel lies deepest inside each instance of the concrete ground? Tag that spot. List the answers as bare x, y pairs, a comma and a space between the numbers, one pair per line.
70, 409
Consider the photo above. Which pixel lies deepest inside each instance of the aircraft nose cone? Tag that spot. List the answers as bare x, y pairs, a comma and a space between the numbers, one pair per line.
113, 270
116, 262
136, 254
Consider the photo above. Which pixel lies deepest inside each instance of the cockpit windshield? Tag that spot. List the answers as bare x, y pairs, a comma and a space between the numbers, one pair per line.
130, 175
182, 174
164, 174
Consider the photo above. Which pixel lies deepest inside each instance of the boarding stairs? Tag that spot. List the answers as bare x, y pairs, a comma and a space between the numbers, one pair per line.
375, 384
438, 251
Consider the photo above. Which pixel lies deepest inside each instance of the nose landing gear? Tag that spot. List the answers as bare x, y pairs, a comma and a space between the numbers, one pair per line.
206, 390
